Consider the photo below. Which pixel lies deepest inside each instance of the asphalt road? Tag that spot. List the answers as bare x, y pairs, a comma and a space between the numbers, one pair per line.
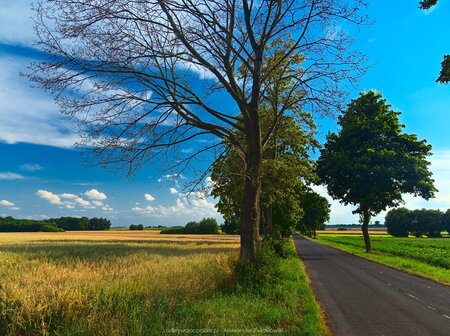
363, 298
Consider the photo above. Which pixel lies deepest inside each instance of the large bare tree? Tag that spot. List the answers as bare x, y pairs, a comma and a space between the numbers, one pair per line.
141, 77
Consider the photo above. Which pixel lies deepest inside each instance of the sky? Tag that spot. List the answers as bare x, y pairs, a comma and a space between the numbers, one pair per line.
42, 174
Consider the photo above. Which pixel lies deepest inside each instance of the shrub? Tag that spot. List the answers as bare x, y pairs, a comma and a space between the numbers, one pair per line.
51, 228
205, 226
174, 230
208, 226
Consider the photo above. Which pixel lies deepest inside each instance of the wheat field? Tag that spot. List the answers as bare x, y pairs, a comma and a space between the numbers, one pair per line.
105, 283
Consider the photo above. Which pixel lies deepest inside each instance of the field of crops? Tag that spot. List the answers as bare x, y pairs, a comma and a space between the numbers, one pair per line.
434, 252
139, 283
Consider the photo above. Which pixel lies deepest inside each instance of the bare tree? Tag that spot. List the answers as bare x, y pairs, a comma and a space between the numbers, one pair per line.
141, 77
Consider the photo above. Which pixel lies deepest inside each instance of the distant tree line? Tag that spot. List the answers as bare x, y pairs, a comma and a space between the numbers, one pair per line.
402, 222
10, 224
205, 226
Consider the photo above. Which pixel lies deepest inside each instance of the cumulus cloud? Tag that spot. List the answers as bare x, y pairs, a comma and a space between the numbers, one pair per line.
71, 201
10, 176
95, 194
6, 203
31, 167
49, 196
171, 177
149, 197
29, 114
173, 191
66, 195
82, 202
195, 205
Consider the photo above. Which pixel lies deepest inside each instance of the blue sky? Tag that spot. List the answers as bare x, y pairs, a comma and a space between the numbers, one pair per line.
42, 175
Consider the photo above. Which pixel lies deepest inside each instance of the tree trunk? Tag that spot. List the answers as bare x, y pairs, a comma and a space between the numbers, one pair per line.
250, 212
268, 221
365, 230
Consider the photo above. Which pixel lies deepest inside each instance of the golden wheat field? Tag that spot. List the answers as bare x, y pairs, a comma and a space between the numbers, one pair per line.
105, 283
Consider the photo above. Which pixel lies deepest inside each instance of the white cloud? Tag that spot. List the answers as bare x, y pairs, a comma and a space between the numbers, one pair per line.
9, 175
65, 195
95, 194
16, 25
6, 203
173, 191
29, 114
49, 196
98, 203
149, 197
14, 208
107, 208
82, 202
171, 177
31, 167
195, 206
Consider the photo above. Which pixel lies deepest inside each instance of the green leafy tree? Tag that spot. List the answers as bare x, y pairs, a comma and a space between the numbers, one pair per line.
137, 65
208, 226
316, 212
426, 222
231, 225
427, 4
286, 166
444, 75
446, 221
99, 224
398, 222
370, 162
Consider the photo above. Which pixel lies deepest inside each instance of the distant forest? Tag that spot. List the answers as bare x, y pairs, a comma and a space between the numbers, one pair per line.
10, 224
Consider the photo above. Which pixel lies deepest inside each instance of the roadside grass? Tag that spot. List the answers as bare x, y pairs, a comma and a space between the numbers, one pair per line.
427, 257
128, 284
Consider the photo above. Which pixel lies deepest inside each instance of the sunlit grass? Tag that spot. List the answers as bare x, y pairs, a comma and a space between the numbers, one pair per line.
427, 257
139, 283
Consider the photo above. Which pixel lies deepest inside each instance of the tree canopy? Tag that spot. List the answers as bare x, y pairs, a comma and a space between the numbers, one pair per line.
316, 212
141, 78
444, 75
371, 162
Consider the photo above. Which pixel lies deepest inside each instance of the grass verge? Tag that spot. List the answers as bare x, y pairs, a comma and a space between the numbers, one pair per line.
121, 285
425, 257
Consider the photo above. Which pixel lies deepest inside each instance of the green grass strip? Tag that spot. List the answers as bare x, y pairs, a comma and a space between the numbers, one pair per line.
396, 258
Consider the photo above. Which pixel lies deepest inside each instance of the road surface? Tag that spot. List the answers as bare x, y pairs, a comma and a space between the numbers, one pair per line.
363, 298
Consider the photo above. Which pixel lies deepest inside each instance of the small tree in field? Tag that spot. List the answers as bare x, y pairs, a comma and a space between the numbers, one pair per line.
370, 162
